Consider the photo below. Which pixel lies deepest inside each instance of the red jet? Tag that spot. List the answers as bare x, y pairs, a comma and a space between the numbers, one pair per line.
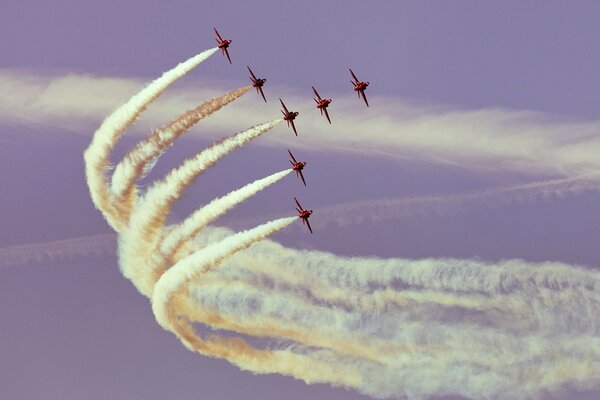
359, 87
289, 116
297, 166
304, 215
322, 104
257, 83
223, 44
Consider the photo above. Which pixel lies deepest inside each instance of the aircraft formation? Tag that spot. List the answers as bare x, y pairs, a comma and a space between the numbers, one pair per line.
289, 116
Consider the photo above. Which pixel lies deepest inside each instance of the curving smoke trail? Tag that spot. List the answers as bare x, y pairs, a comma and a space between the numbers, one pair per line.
182, 233
480, 330
173, 282
145, 228
108, 134
388, 328
143, 156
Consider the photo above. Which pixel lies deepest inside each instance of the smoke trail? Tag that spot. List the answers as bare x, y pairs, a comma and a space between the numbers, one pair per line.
435, 341
237, 351
147, 220
200, 219
97, 154
141, 158
389, 328
448, 343
202, 261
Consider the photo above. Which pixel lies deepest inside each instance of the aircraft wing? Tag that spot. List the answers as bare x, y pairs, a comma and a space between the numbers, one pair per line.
294, 127
316, 93
217, 32
262, 93
291, 155
227, 54
353, 76
308, 226
251, 73
298, 203
364, 96
326, 114
302, 177
284, 107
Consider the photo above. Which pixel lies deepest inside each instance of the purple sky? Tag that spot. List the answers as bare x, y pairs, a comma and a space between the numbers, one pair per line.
77, 329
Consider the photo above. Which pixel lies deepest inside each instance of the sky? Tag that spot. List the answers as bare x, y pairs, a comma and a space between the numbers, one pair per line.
466, 97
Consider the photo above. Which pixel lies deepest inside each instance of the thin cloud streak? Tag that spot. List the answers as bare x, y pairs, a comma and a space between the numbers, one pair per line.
488, 139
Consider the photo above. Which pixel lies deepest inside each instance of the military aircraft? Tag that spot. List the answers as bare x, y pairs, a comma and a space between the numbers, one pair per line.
359, 87
322, 104
304, 215
223, 44
289, 116
297, 166
257, 83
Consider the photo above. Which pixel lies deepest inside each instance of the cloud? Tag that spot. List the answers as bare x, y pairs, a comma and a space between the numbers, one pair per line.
487, 139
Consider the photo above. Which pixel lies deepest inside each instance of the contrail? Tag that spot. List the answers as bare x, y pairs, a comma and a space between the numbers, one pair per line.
377, 210
141, 158
97, 154
448, 204
345, 214
97, 245
147, 220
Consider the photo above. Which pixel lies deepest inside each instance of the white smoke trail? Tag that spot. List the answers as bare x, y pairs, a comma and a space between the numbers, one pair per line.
140, 159
237, 351
389, 328
97, 154
147, 220
202, 261
200, 219
550, 323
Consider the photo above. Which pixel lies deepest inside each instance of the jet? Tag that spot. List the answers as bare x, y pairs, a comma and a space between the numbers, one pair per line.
257, 83
322, 104
304, 215
359, 87
297, 166
289, 116
223, 44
